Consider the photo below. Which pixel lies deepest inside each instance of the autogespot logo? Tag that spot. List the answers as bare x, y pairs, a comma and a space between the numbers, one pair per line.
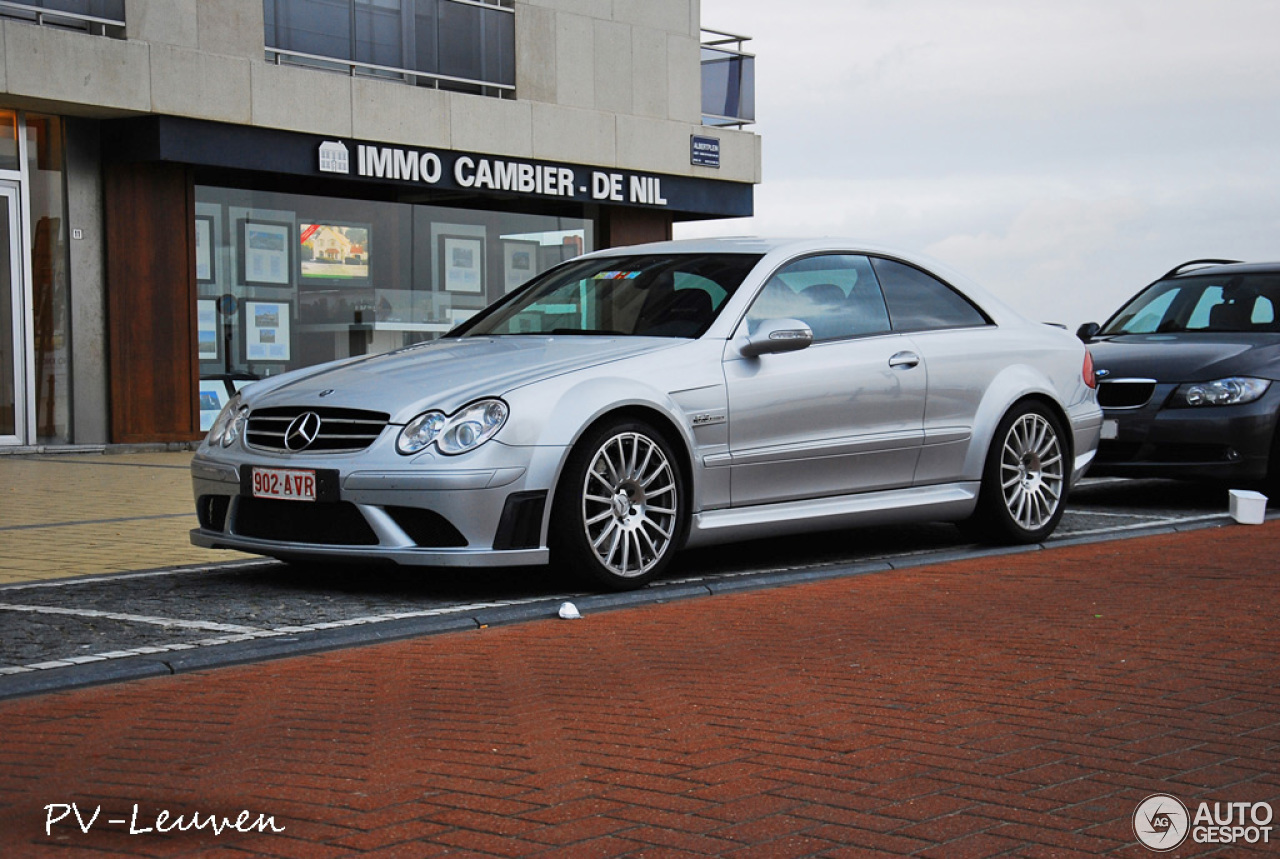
1161, 822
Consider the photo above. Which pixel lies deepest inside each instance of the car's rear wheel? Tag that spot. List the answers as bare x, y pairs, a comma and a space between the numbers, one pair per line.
1024, 482
619, 511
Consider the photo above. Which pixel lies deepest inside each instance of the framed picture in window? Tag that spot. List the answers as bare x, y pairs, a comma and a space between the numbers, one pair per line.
519, 262
334, 255
205, 270
265, 253
210, 344
462, 263
212, 399
266, 330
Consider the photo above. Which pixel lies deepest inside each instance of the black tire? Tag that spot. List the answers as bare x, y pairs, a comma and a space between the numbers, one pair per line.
1025, 479
619, 513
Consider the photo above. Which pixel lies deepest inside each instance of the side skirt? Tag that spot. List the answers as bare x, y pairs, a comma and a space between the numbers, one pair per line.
946, 502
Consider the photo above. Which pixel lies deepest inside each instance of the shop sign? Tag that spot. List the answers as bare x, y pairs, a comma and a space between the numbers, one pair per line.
334, 157
454, 170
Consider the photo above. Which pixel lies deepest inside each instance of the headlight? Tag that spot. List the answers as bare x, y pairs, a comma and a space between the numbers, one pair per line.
453, 434
229, 425
1233, 391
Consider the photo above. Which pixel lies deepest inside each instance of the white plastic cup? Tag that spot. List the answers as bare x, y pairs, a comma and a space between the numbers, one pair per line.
1247, 507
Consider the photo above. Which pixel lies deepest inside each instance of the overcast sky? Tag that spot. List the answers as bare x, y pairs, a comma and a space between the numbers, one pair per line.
1063, 154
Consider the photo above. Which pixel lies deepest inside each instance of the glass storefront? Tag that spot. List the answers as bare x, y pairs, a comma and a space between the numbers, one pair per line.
10, 331
50, 286
291, 280
41, 315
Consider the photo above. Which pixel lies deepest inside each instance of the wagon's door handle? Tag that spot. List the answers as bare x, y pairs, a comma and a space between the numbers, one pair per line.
905, 359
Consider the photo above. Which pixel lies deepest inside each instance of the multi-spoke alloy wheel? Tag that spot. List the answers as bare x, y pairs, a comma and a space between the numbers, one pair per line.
1031, 471
619, 516
1025, 481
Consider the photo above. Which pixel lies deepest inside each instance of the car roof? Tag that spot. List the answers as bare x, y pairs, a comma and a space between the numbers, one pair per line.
776, 250
782, 248
751, 245
1219, 269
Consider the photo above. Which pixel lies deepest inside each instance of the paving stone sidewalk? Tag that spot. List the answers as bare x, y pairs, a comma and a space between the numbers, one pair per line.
1021, 705
83, 514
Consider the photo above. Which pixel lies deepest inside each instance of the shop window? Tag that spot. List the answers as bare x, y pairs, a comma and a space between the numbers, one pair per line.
50, 286
9, 140
464, 46
288, 280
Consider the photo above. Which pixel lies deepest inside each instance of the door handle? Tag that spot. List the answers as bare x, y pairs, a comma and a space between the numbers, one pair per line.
905, 359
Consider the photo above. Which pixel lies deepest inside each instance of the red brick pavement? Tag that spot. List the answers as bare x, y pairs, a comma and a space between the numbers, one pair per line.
1019, 705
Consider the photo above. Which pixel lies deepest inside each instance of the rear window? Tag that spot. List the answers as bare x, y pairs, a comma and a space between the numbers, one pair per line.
920, 302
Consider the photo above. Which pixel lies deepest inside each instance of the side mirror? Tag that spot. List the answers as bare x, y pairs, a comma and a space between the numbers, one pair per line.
1088, 331
778, 335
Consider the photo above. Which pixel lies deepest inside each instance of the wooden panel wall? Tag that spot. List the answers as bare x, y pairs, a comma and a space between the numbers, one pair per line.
151, 305
622, 226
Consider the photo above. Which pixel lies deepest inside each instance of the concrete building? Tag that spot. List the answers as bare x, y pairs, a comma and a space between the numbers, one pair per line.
202, 192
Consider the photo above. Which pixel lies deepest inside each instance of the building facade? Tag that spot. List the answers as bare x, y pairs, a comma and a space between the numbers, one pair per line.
199, 193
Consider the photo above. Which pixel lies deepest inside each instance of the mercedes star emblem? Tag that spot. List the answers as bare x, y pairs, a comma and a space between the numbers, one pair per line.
302, 432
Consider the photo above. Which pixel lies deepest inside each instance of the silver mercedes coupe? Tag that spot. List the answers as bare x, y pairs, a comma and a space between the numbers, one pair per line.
637, 400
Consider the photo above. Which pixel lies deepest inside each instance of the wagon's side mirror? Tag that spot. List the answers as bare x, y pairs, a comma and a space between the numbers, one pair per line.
778, 335
1088, 331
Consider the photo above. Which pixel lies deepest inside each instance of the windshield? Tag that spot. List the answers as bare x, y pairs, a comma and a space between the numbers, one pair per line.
637, 296
1238, 303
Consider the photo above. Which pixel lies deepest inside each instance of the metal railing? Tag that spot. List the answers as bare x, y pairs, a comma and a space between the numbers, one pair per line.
345, 63
41, 16
728, 80
279, 56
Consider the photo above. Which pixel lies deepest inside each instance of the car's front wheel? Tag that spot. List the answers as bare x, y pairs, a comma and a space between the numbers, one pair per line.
1024, 483
618, 515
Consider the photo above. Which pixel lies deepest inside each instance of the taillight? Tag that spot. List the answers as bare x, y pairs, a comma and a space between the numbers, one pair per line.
1090, 378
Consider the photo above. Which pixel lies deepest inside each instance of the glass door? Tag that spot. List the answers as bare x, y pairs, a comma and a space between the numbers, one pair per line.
13, 389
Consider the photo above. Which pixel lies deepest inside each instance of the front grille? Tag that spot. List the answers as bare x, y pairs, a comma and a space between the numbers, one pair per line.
1125, 393
340, 431
329, 524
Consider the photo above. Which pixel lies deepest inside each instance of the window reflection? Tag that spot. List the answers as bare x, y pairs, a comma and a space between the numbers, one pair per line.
50, 289
289, 280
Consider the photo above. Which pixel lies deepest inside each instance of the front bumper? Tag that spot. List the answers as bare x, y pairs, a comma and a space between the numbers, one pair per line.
488, 510
1205, 443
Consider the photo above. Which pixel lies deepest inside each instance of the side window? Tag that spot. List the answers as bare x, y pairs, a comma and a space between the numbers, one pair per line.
920, 302
834, 294
1264, 312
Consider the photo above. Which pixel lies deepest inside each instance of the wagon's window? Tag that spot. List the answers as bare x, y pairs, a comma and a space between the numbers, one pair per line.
1239, 303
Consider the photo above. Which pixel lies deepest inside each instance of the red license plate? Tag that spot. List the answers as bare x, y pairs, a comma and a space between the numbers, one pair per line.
290, 484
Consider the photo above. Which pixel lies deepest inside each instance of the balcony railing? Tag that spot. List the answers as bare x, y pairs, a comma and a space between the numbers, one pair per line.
100, 17
353, 68
458, 45
728, 80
